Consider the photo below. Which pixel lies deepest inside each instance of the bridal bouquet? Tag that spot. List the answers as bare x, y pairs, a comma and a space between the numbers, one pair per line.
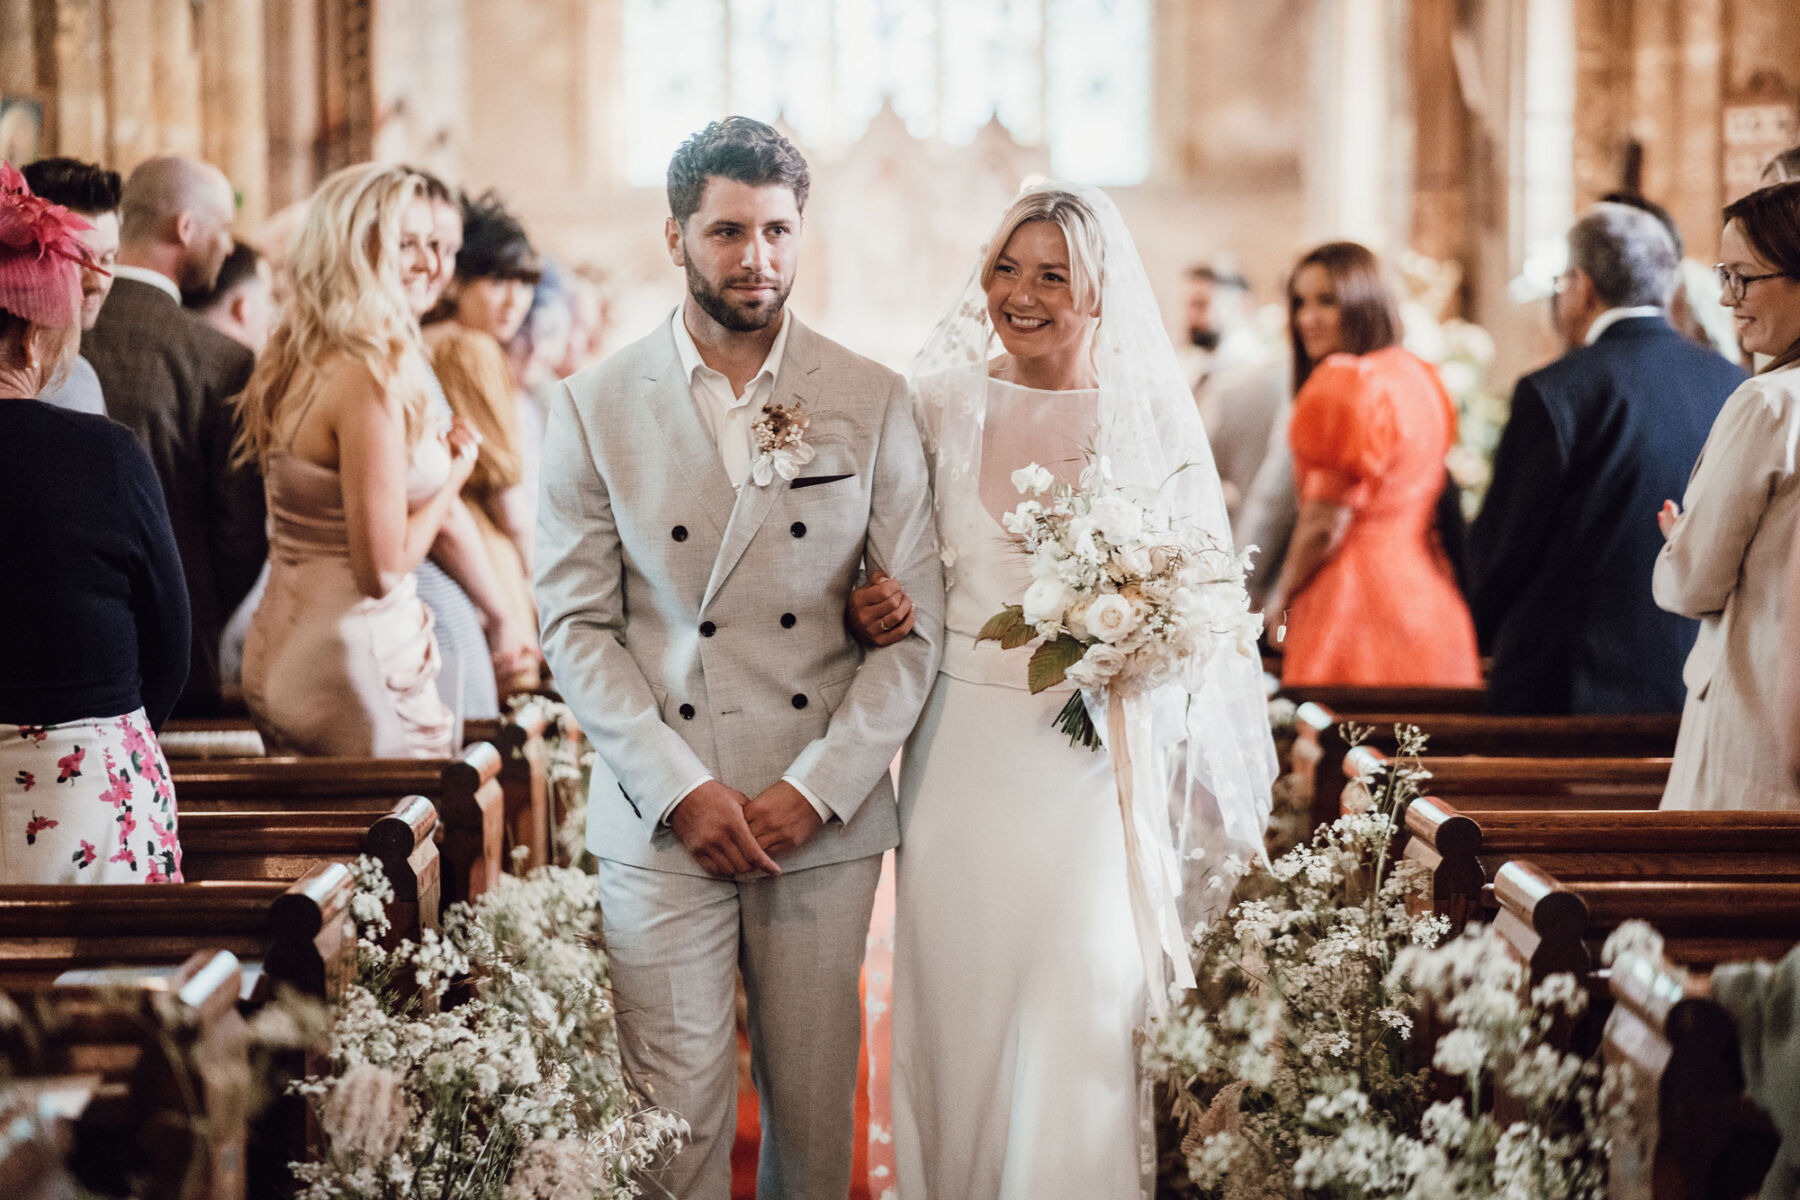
1122, 598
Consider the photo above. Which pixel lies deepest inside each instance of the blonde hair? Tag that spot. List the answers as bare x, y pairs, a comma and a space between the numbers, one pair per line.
345, 298
1080, 229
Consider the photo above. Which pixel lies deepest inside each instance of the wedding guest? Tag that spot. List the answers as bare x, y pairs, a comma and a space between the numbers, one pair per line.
94, 607
1726, 558
467, 334
92, 193
1366, 591
241, 302
169, 377
480, 638
340, 658
1242, 388
1693, 306
1783, 168
1557, 562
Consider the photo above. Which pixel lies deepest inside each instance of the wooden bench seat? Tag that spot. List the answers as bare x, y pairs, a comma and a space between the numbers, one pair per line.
146, 1078
1520, 782
465, 790
299, 932
1464, 849
1349, 699
285, 845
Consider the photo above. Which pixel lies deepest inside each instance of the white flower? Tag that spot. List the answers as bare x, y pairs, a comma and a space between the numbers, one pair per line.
1033, 480
1119, 520
1021, 519
1097, 666
1046, 599
1109, 617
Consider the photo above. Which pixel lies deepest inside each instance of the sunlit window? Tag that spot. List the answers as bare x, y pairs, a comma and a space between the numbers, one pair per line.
1072, 73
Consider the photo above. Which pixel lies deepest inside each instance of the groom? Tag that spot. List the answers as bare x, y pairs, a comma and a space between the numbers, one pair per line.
692, 574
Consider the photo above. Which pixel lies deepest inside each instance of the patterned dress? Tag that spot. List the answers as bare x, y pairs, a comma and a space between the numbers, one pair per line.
86, 802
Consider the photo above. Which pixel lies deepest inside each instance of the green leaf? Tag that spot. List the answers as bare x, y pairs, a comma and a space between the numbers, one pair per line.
1007, 627
1051, 661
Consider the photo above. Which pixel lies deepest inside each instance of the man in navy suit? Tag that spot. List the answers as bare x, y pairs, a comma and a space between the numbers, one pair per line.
1559, 560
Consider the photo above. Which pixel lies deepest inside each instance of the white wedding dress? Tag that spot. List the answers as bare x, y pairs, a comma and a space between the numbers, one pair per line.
1017, 977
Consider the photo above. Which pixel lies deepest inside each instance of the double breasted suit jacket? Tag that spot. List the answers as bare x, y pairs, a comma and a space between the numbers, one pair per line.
697, 630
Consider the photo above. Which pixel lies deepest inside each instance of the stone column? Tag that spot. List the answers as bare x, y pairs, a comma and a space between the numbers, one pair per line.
236, 126
76, 116
174, 95
291, 100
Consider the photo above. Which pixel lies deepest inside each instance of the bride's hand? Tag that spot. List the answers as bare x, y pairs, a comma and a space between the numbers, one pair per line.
879, 612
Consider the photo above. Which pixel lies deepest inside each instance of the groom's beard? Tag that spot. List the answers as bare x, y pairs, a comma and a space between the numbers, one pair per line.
739, 318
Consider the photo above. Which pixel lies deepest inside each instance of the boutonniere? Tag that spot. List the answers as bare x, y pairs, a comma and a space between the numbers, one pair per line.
781, 448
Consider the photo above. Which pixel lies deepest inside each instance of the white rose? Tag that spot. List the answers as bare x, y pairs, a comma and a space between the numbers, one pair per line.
1097, 666
1118, 520
1111, 617
1033, 480
1136, 560
1079, 537
1045, 600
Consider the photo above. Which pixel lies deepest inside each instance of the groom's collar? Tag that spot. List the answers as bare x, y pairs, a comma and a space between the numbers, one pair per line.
800, 352
689, 353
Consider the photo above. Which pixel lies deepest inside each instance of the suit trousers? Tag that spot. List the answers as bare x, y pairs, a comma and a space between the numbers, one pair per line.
676, 943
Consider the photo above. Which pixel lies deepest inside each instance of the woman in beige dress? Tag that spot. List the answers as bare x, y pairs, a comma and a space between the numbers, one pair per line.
340, 657
1729, 544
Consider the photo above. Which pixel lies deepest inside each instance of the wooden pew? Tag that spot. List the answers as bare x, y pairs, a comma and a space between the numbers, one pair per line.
524, 779
466, 791
298, 931
1346, 699
1697, 1133
1492, 783
142, 1074
1558, 925
285, 845
1464, 849
1318, 729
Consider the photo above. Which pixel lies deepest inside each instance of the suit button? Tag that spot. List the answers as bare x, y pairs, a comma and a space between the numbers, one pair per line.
707, 629
798, 529
799, 701
687, 712
679, 533
787, 620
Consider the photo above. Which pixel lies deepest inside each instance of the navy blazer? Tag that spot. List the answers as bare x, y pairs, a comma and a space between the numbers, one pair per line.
1559, 560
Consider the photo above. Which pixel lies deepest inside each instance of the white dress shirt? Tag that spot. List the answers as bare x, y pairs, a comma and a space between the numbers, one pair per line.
1613, 316
728, 416
155, 279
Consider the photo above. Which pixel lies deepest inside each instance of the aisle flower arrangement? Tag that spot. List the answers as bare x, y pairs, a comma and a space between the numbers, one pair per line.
1303, 1065
515, 1093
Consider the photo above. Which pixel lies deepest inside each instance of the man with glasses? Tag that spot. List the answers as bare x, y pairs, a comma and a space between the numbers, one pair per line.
1559, 560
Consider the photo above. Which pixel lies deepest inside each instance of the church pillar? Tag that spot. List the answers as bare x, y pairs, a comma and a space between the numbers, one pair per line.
175, 56
74, 78
236, 138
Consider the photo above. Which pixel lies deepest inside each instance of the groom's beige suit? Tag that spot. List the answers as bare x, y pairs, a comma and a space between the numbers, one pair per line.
699, 631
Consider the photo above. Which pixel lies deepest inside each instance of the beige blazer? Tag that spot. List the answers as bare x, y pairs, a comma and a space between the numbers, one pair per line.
1726, 563
695, 631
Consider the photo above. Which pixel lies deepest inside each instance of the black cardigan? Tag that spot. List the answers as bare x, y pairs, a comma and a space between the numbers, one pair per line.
93, 608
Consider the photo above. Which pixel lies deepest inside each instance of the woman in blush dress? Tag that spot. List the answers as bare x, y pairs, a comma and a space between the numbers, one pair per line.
1019, 973
1366, 589
340, 658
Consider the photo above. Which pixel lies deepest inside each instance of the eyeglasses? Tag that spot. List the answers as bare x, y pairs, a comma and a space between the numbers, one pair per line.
1735, 284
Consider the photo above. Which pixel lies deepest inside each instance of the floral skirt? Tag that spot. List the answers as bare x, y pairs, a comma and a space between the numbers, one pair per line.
86, 802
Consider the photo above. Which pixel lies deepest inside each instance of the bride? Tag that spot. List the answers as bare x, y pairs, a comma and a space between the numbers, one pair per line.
1020, 974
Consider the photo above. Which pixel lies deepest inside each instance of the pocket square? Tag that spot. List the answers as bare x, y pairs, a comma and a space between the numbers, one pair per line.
816, 480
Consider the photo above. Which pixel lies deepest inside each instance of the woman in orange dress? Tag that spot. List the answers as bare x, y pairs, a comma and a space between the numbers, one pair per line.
1366, 592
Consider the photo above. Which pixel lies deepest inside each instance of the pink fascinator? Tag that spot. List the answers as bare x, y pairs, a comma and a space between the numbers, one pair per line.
41, 255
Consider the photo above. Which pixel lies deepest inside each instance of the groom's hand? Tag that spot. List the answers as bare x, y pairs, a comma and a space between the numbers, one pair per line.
879, 612
781, 819
710, 823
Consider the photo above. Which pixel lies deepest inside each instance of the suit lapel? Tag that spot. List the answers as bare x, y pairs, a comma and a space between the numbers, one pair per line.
793, 383
686, 438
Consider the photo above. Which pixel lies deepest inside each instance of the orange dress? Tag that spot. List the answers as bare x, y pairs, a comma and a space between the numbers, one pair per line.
1371, 432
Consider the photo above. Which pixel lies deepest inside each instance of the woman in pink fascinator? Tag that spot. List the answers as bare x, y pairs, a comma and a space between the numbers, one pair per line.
94, 607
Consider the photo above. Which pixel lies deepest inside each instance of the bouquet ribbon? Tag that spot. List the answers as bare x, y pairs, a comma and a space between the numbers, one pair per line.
1152, 870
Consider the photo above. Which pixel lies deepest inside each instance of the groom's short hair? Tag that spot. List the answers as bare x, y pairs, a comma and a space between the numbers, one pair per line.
736, 148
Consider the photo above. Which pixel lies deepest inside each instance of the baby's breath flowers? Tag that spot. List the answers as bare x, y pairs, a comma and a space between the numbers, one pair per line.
1300, 1067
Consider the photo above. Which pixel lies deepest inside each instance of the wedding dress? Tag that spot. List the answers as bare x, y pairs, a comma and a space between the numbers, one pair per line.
1019, 971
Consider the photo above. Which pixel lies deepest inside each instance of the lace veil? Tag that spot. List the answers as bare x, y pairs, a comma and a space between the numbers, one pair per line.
1212, 754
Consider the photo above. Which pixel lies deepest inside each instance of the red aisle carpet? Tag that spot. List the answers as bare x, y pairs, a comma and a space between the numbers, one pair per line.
749, 1135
